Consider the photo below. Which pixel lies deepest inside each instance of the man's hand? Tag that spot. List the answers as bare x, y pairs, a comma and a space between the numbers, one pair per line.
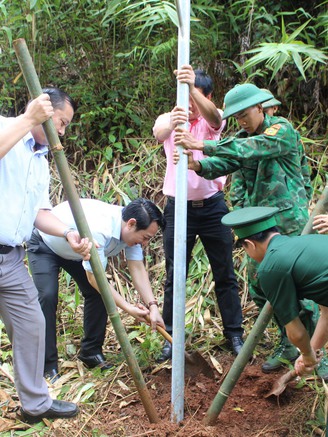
139, 311
186, 75
305, 364
185, 138
80, 245
177, 116
155, 318
39, 110
192, 164
152, 316
320, 223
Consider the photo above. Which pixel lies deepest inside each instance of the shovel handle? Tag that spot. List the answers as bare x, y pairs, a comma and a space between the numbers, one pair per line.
289, 376
161, 330
164, 333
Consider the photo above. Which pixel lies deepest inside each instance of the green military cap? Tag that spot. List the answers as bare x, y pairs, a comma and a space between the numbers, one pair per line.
249, 221
244, 96
271, 102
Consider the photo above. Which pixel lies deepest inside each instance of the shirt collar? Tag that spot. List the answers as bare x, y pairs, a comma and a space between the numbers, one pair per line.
29, 141
117, 228
266, 122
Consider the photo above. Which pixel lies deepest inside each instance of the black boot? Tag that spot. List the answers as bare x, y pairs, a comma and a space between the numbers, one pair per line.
166, 352
236, 344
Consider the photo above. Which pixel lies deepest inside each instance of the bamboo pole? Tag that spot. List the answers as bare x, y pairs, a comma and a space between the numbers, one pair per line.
238, 365
180, 227
35, 90
320, 208
255, 335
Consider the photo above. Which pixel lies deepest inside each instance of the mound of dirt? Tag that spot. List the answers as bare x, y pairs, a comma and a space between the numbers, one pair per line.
246, 413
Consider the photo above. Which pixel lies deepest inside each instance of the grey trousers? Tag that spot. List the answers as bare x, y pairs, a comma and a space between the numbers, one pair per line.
25, 325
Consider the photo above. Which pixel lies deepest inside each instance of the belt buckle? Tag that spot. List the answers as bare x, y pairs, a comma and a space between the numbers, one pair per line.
197, 203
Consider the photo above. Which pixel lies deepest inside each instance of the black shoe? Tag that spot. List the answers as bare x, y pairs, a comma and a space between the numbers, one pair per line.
51, 375
58, 409
166, 352
92, 361
236, 344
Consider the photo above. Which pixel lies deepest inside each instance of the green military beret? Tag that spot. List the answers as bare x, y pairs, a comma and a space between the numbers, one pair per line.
249, 221
271, 102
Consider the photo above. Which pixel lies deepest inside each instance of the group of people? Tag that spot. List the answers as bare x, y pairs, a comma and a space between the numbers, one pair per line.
269, 169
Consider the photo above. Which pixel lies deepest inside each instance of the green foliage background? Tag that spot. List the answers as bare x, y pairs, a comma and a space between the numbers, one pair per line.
116, 58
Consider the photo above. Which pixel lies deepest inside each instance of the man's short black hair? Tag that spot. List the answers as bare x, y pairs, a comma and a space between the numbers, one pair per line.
59, 97
204, 82
144, 212
259, 236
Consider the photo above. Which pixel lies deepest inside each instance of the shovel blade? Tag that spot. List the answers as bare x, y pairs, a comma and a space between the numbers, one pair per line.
280, 385
195, 364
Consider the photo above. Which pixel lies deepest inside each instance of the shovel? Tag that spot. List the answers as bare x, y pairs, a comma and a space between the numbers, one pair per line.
195, 363
280, 385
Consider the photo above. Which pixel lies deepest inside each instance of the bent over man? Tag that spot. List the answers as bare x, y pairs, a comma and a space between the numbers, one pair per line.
290, 269
115, 229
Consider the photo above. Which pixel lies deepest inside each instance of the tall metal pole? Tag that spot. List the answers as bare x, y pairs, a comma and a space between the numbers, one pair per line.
35, 90
255, 335
180, 229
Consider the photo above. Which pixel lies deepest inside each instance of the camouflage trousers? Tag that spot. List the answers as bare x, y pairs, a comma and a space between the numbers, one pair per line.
309, 310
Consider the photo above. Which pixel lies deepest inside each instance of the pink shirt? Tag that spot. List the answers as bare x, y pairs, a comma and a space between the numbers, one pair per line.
198, 187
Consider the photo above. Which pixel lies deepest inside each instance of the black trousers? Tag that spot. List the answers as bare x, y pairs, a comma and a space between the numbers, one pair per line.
204, 219
45, 265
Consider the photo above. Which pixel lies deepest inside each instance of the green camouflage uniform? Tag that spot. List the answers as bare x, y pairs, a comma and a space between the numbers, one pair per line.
270, 165
238, 189
271, 170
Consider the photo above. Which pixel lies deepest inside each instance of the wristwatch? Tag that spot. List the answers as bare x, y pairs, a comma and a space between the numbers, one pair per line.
67, 231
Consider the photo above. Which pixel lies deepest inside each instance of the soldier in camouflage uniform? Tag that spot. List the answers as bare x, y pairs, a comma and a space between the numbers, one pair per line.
266, 155
238, 189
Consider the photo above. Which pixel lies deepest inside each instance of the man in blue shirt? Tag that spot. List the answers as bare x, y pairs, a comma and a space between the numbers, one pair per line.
24, 187
115, 229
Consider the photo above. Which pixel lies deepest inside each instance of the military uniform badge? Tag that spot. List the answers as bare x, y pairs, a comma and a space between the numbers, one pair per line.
272, 130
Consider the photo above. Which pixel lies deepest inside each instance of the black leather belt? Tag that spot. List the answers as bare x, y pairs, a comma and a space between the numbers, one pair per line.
200, 203
4, 250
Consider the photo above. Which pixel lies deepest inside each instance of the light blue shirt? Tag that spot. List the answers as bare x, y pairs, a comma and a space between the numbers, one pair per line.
24, 188
105, 223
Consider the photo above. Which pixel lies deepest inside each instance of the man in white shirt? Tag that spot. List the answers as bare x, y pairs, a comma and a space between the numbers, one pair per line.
24, 187
115, 229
